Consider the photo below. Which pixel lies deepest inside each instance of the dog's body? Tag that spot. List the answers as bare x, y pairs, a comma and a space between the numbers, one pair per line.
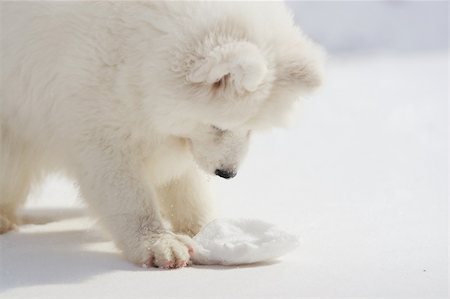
132, 98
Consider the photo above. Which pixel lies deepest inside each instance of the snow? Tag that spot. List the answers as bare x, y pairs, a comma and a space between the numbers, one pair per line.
362, 178
228, 241
367, 26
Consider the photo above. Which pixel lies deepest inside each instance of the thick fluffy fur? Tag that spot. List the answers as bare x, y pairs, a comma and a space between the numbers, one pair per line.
137, 101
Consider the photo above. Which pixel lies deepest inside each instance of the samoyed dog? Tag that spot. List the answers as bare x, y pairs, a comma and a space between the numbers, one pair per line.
139, 102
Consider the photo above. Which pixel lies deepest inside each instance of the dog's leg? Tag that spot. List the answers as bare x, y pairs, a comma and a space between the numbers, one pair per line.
111, 181
17, 165
187, 202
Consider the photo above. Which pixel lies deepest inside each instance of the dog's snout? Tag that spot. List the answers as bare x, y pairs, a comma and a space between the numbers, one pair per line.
226, 173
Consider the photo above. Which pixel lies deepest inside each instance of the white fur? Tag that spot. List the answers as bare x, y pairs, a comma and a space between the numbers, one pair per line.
132, 99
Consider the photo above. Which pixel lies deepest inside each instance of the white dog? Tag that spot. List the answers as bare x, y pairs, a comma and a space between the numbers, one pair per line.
137, 101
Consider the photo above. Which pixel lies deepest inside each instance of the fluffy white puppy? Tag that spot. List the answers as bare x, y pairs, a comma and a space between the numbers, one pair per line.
137, 101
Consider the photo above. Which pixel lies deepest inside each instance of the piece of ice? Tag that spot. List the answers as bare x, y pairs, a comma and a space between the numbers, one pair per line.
240, 241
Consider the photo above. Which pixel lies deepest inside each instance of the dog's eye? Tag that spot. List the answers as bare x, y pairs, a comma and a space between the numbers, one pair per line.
217, 129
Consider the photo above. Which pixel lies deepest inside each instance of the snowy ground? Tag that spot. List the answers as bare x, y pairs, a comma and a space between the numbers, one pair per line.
362, 178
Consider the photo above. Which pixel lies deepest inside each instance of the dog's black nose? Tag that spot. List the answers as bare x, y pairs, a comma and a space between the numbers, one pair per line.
225, 173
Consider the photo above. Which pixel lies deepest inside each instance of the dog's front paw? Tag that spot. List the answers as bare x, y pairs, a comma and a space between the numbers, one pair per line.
167, 250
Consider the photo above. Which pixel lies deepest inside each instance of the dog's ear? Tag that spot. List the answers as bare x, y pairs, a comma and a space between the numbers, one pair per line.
301, 64
238, 65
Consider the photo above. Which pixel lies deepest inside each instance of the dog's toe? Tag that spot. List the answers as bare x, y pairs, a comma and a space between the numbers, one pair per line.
170, 251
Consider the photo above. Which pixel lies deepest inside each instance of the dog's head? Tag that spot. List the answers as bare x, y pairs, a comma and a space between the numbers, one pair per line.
231, 78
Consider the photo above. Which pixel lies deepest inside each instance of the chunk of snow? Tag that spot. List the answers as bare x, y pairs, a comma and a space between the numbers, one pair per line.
241, 241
